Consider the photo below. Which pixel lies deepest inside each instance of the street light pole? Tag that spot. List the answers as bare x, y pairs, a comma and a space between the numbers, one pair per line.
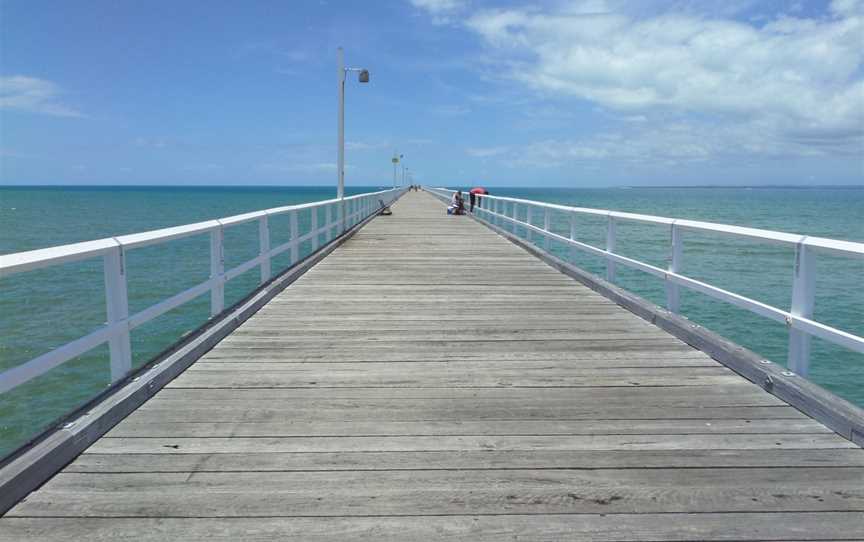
363, 77
340, 166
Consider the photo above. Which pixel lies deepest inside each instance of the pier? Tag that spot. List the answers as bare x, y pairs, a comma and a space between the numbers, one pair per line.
429, 378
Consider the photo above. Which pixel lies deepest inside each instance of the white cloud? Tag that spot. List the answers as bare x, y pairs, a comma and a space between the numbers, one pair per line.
151, 142
365, 145
791, 85
33, 95
312, 167
671, 143
486, 152
442, 11
418, 141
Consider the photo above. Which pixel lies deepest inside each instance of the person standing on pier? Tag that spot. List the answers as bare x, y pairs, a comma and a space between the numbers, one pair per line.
474, 196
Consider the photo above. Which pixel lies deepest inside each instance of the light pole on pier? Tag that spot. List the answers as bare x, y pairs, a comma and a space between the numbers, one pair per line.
363, 77
396, 158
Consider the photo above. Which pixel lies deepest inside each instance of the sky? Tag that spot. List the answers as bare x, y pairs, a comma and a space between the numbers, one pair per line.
582, 93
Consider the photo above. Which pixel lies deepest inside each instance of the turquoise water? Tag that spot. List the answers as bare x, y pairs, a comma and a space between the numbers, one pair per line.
43, 309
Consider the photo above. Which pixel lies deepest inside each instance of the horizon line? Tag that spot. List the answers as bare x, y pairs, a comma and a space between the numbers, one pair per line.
622, 186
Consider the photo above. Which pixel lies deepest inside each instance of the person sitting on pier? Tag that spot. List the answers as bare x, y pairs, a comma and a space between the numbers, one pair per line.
457, 204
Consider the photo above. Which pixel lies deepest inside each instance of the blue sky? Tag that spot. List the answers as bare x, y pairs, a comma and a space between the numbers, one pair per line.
563, 93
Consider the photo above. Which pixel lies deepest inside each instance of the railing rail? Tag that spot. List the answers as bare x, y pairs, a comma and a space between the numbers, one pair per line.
340, 215
798, 318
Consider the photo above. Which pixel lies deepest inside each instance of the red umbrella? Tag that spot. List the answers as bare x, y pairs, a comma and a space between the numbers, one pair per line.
479, 190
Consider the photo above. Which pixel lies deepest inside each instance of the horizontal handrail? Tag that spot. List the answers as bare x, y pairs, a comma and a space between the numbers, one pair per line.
44, 257
845, 248
799, 317
340, 213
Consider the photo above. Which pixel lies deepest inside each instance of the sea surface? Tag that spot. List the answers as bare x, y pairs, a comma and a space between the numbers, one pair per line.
41, 310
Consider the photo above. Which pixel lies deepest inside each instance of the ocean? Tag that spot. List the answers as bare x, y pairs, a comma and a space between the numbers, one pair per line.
43, 309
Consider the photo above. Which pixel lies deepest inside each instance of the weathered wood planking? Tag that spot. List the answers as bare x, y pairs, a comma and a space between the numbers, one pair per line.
431, 381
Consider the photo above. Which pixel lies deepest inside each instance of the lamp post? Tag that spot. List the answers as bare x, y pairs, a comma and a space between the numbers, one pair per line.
396, 158
363, 77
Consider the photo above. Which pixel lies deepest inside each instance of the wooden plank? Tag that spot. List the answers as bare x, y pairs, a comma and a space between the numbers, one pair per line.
546, 527
409, 443
486, 459
484, 348
394, 493
540, 378
731, 395
381, 411
150, 424
625, 358
422, 370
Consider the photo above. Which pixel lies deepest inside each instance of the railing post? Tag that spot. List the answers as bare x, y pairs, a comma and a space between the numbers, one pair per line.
803, 289
573, 237
610, 247
217, 270
117, 311
313, 220
328, 236
546, 220
343, 220
673, 292
264, 247
295, 235
513, 216
528, 214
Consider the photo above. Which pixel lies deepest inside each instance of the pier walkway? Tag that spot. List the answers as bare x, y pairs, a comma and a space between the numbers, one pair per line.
430, 380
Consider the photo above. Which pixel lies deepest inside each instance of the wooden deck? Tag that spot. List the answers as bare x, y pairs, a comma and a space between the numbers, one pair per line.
430, 380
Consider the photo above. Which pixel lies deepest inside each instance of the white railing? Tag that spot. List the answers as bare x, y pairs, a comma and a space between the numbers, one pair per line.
798, 318
340, 215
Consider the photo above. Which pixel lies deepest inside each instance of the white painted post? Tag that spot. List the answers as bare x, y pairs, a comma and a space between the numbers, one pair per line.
610, 247
673, 292
803, 289
546, 221
328, 236
513, 216
217, 270
313, 213
528, 221
295, 234
264, 247
573, 236
117, 311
